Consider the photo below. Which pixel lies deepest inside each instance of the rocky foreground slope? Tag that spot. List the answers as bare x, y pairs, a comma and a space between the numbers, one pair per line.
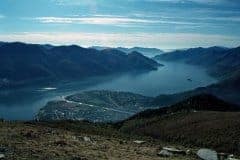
202, 121
74, 141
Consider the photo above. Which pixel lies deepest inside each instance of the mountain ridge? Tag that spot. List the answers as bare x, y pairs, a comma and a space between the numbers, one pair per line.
220, 62
149, 52
199, 121
21, 62
202, 120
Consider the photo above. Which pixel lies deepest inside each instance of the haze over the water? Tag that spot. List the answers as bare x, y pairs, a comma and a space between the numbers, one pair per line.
25, 102
165, 24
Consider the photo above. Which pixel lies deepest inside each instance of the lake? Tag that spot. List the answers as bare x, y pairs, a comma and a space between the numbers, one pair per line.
22, 104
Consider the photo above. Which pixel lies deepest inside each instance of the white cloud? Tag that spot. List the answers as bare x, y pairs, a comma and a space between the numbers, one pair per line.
211, 19
112, 20
2, 16
93, 20
159, 40
229, 19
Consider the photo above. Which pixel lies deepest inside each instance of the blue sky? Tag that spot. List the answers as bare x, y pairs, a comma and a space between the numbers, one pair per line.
165, 24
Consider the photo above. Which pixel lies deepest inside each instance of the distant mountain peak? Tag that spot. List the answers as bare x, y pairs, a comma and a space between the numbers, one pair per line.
149, 52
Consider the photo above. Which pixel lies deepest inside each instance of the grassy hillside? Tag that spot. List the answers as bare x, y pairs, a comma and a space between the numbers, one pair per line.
217, 130
198, 121
73, 141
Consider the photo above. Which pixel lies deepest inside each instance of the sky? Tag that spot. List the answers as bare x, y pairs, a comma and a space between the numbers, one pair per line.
164, 24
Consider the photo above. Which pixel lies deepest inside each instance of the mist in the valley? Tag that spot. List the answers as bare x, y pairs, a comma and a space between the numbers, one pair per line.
171, 78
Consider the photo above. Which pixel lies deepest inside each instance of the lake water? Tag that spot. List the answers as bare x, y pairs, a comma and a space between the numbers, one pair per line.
22, 104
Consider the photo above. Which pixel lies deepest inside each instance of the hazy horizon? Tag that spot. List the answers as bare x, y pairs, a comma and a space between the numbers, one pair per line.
163, 24
165, 50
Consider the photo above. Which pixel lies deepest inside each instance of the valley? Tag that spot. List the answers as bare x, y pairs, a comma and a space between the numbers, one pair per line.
199, 122
219, 62
23, 64
24, 103
95, 106
119, 80
186, 106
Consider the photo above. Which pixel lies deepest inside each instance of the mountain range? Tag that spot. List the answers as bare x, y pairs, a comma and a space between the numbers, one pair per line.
148, 52
227, 88
222, 63
22, 63
203, 117
219, 61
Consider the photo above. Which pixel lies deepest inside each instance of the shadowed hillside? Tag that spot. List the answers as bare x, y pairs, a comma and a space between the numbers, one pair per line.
219, 62
22, 63
202, 120
228, 90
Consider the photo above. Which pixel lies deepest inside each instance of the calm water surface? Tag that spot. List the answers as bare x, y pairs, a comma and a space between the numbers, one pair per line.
22, 104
